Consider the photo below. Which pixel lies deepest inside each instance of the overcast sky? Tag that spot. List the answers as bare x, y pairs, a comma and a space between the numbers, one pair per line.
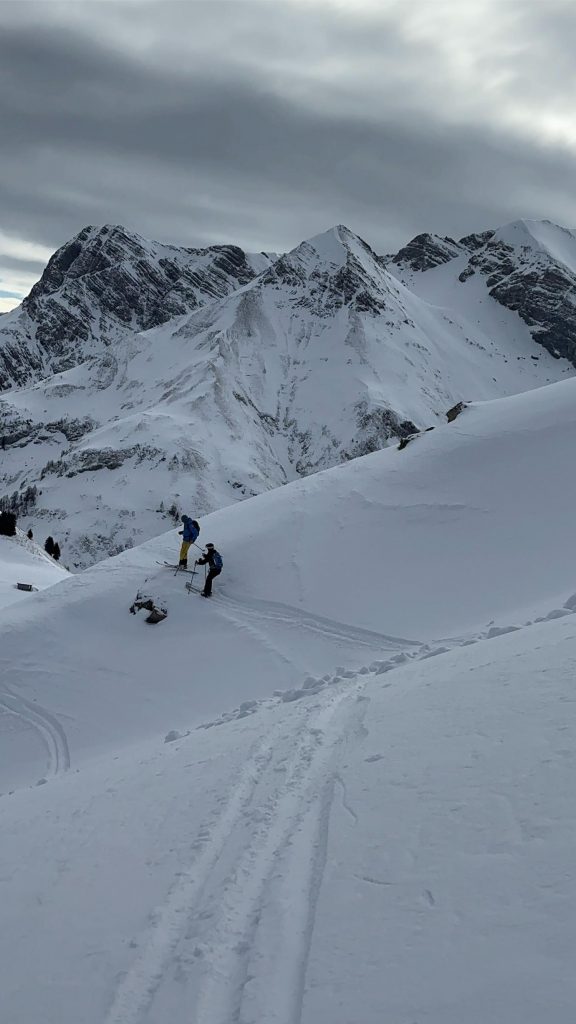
263, 122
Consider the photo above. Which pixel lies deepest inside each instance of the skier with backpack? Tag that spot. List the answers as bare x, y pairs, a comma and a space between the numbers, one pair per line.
189, 535
212, 558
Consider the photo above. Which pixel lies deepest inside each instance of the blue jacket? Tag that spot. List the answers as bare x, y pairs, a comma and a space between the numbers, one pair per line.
190, 532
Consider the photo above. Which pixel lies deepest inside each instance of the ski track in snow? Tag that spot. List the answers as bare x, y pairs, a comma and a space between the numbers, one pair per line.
278, 810
137, 988
46, 725
275, 611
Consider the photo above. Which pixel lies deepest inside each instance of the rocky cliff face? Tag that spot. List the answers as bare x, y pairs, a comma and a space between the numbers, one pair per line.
534, 282
107, 282
427, 251
529, 267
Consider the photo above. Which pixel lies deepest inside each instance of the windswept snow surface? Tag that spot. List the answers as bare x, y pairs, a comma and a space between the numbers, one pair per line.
387, 837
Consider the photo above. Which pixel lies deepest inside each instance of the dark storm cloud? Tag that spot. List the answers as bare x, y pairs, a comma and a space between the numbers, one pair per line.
264, 123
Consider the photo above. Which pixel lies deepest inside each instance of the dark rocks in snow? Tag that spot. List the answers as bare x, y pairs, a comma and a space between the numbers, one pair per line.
95, 459
174, 735
405, 441
375, 428
545, 300
157, 609
73, 429
466, 274
476, 241
427, 251
455, 411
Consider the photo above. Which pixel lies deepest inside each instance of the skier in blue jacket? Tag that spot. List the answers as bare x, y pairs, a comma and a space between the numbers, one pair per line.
189, 534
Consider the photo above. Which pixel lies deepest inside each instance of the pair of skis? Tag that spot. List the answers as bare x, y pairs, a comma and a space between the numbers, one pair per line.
178, 568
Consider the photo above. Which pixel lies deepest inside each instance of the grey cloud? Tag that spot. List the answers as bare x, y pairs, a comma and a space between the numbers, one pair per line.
21, 266
220, 148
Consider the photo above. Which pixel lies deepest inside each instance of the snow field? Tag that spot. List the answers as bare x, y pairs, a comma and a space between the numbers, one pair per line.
340, 791
23, 561
400, 844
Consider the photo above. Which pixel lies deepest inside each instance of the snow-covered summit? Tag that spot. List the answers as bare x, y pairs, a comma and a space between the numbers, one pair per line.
101, 287
333, 269
527, 266
541, 236
332, 247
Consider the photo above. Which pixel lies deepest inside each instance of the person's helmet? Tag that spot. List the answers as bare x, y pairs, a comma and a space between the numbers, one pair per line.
183, 519
209, 545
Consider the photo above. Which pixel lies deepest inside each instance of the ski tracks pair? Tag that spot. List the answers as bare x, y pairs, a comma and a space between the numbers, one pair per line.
46, 725
245, 906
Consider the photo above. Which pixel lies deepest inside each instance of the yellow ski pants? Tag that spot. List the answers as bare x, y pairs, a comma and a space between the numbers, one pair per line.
184, 550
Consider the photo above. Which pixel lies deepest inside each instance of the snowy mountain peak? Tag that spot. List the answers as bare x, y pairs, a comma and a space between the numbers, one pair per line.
107, 282
334, 268
543, 237
331, 247
92, 250
527, 266
334, 247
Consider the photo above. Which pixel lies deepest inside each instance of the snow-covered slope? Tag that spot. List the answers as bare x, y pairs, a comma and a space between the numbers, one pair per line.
22, 561
470, 523
391, 834
321, 357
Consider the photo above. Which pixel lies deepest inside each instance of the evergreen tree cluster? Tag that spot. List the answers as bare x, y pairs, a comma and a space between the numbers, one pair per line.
20, 502
52, 548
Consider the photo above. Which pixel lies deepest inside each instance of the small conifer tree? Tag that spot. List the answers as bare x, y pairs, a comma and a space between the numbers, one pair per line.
7, 524
56, 553
49, 546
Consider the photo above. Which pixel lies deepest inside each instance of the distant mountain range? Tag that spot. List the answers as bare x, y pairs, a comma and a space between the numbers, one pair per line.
139, 379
